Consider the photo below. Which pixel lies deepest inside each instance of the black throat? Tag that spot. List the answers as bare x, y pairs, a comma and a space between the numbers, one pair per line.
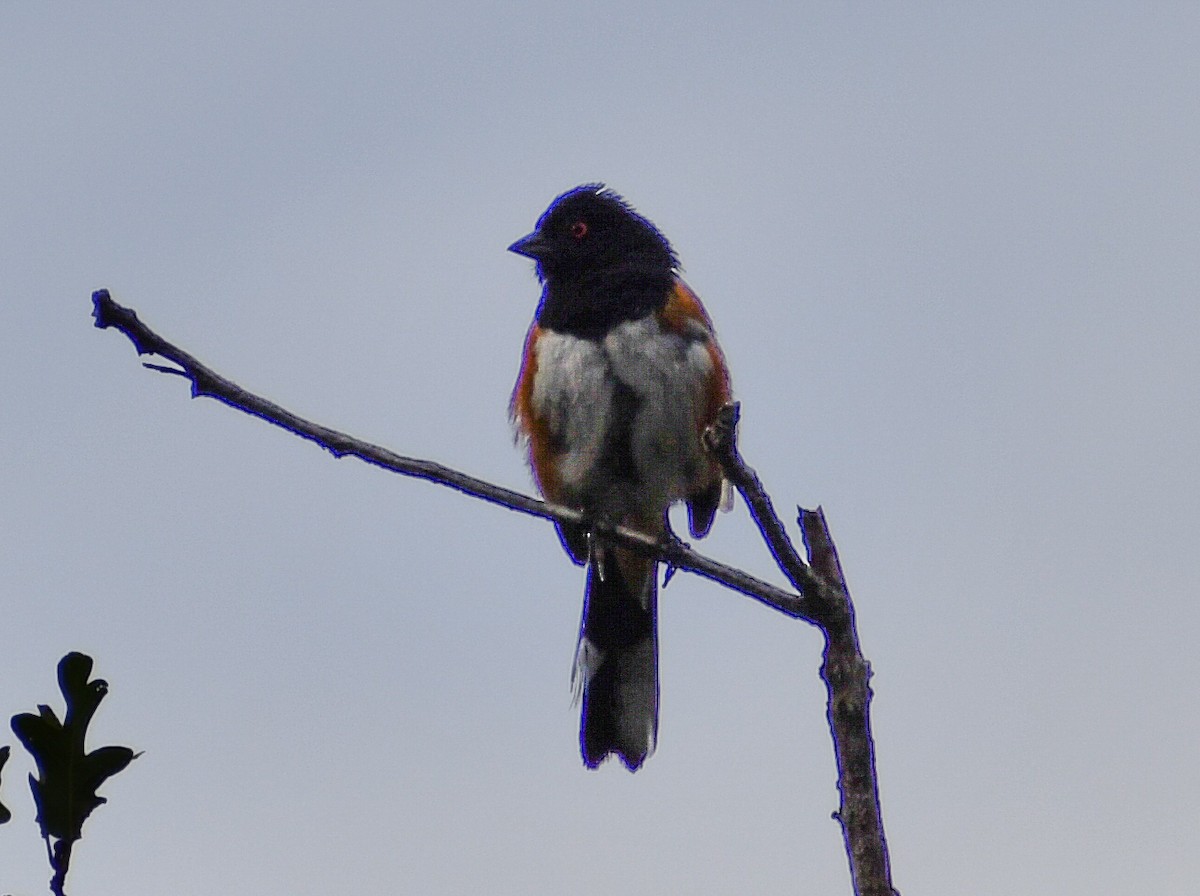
589, 304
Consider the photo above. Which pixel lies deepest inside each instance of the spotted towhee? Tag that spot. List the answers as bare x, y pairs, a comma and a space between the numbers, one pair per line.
620, 377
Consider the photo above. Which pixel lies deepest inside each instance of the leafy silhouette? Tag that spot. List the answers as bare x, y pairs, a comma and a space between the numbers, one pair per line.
5, 815
68, 776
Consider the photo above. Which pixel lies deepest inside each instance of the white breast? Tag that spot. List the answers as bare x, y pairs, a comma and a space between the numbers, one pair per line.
574, 392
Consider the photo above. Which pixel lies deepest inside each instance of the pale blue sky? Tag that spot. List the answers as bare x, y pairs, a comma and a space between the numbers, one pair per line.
952, 255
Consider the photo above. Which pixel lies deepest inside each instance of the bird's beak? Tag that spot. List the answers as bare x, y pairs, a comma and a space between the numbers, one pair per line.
531, 246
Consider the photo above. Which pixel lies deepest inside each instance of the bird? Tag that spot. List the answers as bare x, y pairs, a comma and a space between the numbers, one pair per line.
620, 376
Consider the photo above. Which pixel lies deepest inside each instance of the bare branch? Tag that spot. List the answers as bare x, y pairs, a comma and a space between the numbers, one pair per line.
847, 677
208, 383
843, 669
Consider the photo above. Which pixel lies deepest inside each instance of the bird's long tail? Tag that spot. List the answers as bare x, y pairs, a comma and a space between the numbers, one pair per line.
616, 666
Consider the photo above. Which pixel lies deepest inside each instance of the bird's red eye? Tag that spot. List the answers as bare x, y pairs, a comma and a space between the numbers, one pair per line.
579, 229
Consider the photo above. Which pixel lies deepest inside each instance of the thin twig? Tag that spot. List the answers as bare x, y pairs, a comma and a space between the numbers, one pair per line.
721, 440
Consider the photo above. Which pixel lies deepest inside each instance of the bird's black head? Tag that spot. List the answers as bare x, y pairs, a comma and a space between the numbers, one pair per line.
601, 262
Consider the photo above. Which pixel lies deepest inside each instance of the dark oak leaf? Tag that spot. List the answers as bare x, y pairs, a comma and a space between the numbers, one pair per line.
68, 776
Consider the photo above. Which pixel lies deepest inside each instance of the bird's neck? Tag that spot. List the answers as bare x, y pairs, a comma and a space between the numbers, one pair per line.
589, 304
